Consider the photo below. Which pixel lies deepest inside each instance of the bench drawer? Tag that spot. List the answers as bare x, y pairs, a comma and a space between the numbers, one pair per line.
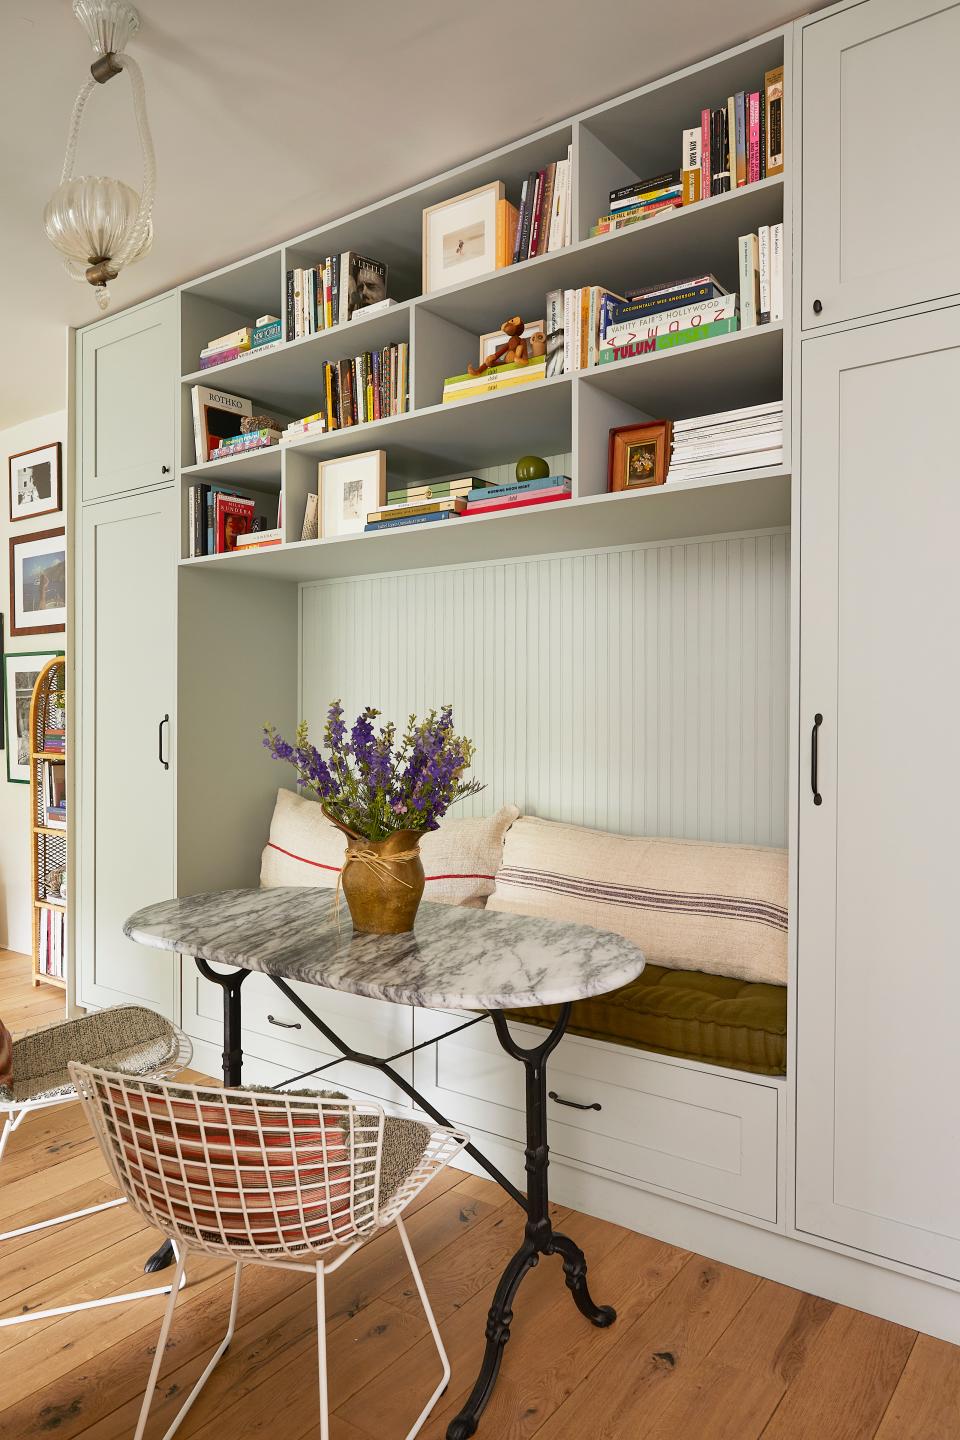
697, 1135
275, 1031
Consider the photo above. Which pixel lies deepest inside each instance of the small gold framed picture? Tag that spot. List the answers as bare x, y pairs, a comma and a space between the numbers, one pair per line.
639, 455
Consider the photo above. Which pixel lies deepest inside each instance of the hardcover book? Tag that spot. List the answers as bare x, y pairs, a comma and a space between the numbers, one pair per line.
362, 282
215, 416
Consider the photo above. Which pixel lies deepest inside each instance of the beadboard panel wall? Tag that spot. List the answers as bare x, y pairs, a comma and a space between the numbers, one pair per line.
640, 690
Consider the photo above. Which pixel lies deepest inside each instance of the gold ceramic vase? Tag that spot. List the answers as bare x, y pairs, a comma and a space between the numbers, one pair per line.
382, 880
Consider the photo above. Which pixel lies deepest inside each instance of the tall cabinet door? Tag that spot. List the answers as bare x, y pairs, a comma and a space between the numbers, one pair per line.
127, 370
881, 167
127, 632
878, 1060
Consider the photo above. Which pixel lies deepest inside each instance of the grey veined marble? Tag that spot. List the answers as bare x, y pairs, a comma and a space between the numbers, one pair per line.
454, 958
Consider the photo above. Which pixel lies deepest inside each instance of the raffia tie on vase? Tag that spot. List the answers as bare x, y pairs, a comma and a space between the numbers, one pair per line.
379, 866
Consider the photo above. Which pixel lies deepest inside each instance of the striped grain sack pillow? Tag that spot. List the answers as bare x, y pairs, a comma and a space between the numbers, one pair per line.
460, 859
6, 1058
688, 904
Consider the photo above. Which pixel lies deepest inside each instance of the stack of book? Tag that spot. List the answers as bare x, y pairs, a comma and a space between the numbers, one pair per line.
246, 441
314, 424
218, 516
664, 315
761, 276
498, 377
53, 942
545, 216
732, 440
638, 201
55, 794
518, 495
263, 335
330, 293
371, 386
258, 540
54, 740
425, 503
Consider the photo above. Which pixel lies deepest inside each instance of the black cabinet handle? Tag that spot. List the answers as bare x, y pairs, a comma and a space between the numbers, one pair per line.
574, 1104
817, 306
164, 469
285, 1024
163, 762
814, 757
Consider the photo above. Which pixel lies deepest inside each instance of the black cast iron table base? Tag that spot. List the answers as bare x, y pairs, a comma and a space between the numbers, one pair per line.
539, 1236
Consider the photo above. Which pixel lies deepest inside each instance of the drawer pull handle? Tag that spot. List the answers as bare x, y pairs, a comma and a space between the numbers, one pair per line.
815, 759
574, 1104
285, 1024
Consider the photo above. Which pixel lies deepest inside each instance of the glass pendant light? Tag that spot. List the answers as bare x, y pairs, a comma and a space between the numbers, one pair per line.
97, 223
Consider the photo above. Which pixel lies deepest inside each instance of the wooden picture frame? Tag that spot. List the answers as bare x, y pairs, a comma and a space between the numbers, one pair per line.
35, 487
350, 488
462, 245
16, 701
38, 584
639, 455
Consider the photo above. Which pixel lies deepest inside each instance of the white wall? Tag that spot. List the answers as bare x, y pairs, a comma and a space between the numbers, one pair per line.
15, 899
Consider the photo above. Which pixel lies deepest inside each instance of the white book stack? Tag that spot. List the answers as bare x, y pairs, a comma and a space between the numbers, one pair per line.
732, 440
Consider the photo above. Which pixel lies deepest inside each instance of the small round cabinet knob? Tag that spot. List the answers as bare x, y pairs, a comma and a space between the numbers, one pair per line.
165, 469
817, 306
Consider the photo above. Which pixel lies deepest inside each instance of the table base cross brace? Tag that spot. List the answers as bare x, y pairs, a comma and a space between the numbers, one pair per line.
539, 1238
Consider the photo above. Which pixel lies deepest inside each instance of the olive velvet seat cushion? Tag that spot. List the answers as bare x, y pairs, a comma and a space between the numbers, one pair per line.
738, 1023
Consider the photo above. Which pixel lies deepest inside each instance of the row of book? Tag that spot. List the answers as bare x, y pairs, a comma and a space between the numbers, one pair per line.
761, 276
54, 735
735, 144
54, 787
545, 217
264, 335
321, 296
462, 498
732, 440
220, 519
499, 377
52, 952
370, 386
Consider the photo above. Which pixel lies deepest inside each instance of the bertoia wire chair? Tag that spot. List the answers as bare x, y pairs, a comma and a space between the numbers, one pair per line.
127, 1038
293, 1180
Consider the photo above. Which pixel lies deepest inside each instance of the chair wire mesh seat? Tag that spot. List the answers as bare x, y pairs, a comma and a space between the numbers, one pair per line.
294, 1181
126, 1038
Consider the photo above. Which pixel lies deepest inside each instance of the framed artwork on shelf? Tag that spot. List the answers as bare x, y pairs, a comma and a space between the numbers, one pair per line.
495, 338
35, 483
639, 455
349, 489
38, 583
19, 677
460, 237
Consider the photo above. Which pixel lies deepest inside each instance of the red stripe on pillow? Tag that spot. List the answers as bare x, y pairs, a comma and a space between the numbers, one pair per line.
335, 869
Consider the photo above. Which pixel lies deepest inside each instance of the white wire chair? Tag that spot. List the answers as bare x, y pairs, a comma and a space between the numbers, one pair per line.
125, 1036
266, 1178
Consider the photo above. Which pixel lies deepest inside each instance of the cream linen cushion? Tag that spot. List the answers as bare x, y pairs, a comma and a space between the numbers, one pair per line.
460, 859
688, 904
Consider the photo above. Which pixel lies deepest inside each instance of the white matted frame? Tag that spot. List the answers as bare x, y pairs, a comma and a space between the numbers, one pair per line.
350, 488
20, 674
38, 583
35, 484
460, 237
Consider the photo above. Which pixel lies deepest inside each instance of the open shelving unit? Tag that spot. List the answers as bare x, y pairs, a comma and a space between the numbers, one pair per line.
48, 843
570, 414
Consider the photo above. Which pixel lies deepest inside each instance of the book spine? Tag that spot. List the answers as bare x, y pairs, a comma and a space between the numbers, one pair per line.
517, 504
528, 216
763, 247
546, 209
554, 329
518, 487
691, 337
289, 309
537, 213
663, 181
521, 217
747, 251
582, 329
222, 357
413, 520
335, 288
776, 273
621, 311
763, 133
730, 128
753, 138
570, 310
706, 179
773, 92
740, 137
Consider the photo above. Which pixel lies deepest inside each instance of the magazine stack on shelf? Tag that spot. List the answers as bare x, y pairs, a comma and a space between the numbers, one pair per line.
264, 335
732, 440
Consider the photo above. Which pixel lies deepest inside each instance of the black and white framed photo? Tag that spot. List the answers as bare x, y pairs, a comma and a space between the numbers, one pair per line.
38, 583
460, 237
35, 484
350, 489
20, 674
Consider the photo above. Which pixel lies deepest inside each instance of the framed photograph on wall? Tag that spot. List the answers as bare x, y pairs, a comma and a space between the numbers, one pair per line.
38, 583
35, 483
460, 237
19, 677
350, 488
639, 455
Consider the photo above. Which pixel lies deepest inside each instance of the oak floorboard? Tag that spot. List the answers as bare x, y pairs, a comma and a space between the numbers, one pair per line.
926, 1402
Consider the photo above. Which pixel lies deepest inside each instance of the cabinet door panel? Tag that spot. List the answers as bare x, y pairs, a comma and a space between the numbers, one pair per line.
881, 171
128, 380
128, 627
878, 980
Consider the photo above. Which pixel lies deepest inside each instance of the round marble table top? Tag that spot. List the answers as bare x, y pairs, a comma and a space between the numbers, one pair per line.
454, 958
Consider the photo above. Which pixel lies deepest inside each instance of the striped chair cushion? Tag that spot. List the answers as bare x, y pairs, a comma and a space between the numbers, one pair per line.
460, 859
688, 904
6, 1058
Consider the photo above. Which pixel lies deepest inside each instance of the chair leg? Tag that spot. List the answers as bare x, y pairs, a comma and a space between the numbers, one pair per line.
431, 1321
211, 1365
322, 1354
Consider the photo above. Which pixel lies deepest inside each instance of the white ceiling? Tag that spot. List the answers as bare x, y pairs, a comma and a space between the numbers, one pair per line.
270, 116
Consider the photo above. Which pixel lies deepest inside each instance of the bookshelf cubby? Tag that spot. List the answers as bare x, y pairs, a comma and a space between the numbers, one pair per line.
611, 144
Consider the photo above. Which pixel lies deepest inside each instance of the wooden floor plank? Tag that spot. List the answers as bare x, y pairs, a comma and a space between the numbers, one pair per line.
926, 1402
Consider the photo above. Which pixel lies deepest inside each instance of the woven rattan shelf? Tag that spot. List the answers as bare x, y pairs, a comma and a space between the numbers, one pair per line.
48, 843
